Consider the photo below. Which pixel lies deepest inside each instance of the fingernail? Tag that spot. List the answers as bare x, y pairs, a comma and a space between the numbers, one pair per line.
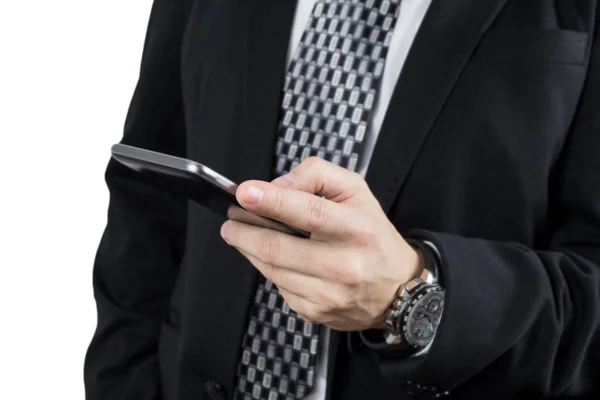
254, 195
224, 229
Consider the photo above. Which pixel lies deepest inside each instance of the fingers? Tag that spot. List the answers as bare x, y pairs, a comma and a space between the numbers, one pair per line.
290, 199
239, 214
308, 311
292, 285
298, 291
295, 208
304, 256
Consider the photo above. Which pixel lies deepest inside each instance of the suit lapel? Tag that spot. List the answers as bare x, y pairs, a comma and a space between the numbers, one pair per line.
266, 41
448, 36
267, 46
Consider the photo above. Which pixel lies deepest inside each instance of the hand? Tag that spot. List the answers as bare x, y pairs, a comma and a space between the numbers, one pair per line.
347, 274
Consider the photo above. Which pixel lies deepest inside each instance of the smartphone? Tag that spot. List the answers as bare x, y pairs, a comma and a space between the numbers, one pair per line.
195, 181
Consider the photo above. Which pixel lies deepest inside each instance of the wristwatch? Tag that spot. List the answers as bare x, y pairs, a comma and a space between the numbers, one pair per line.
413, 317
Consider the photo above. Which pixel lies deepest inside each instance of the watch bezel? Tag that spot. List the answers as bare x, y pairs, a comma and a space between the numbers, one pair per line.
403, 322
409, 294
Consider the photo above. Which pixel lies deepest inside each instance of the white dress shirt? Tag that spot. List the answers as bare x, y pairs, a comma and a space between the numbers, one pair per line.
411, 15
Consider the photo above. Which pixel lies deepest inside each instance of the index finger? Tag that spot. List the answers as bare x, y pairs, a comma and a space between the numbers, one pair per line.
296, 208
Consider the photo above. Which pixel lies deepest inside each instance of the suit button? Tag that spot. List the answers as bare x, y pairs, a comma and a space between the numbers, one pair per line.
215, 391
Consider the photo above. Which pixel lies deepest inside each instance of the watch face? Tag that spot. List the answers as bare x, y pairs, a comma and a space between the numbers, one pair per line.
424, 317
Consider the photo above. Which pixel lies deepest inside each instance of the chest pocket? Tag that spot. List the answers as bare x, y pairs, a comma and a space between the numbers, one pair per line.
533, 45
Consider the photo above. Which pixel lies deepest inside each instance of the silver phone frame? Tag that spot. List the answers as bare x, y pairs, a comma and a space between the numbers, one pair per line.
122, 151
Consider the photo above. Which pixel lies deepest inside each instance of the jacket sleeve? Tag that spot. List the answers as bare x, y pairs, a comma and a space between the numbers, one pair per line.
519, 319
138, 259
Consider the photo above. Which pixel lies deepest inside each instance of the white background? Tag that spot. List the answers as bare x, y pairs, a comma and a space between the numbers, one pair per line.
67, 73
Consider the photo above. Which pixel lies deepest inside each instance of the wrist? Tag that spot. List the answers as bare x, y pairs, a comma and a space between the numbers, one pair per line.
417, 263
409, 271
403, 329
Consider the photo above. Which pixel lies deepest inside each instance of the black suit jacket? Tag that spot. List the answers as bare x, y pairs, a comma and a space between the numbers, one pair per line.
490, 149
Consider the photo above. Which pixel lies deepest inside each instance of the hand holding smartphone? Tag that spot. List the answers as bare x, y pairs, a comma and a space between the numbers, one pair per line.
195, 181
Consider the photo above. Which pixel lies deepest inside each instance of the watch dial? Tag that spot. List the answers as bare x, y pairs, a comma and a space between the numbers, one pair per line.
424, 319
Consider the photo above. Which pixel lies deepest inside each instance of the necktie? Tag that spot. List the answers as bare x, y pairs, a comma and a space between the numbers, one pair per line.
329, 92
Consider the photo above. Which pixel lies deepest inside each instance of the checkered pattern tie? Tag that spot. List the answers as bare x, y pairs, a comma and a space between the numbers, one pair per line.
330, 89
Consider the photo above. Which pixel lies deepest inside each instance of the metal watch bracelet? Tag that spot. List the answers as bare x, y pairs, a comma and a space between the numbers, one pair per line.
393, 330
406, 309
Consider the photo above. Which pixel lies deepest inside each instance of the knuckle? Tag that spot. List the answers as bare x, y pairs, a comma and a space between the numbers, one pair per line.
364, 236
359, 229
269, 273
270, 249
353, 274
275, 274
317, 215
287, 281
279, 201
312, 314
353, 277
332, 303
304, 314
345, 271
335, 268
297, 306
312, 161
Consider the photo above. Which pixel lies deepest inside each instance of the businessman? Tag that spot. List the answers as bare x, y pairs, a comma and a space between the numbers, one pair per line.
454, 247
